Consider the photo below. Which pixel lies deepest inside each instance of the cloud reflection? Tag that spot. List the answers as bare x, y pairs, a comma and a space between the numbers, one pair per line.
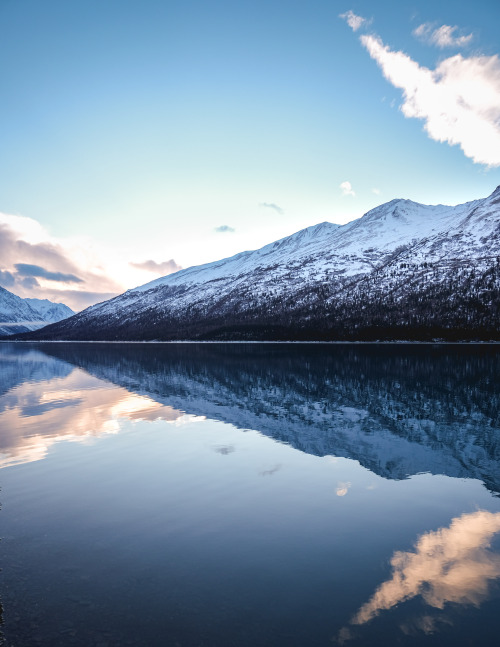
452, 564
342, 488
76, 407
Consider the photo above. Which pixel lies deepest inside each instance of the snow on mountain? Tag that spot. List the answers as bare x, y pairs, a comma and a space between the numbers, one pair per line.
20, 315
49, 310
402, 265
308, 242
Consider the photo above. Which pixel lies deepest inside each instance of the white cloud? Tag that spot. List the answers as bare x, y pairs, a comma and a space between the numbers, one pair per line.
355, 22
376, 191
442, 37
347, 189
459, 101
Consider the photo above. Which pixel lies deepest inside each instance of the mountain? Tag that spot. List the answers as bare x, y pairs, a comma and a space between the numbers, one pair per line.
20, 315
49, 310
402, 271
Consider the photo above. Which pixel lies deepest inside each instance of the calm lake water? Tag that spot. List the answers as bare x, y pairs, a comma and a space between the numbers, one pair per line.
215, 495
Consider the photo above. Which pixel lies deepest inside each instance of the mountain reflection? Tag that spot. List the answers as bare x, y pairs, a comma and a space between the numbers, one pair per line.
397, 409
451, 564
57, 401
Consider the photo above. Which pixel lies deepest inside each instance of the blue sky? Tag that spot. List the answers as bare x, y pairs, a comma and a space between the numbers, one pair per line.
139, 137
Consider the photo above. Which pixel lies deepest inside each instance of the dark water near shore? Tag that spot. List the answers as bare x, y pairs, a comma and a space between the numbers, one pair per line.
214, 495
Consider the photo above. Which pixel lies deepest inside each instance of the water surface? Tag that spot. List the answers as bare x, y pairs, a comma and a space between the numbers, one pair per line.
260, 494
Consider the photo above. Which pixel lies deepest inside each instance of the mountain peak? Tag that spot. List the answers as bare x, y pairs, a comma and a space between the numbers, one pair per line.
496, 193
401, 263
19, 315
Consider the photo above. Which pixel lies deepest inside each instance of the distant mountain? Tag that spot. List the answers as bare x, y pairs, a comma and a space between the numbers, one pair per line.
49, 310
402, 271
20, 315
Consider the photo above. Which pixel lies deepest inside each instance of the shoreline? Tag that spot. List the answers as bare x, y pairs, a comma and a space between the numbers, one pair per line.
194, 341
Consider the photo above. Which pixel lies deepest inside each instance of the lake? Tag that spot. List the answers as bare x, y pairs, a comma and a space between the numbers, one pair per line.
217, 495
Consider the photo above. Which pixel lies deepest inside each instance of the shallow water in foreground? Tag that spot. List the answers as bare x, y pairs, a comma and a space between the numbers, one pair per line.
276, 495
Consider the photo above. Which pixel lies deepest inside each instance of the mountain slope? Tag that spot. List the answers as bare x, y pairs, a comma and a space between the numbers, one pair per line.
403, 270
49, 310
20, 315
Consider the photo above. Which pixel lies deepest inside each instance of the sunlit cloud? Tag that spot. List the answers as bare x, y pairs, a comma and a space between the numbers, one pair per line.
459, 101
354, 21
442, 37
452, 564
347, 189
76, 271
271, 205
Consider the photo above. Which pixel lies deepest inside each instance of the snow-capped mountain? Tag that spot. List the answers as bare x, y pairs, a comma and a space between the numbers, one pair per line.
403, 270
20, 315
49, 310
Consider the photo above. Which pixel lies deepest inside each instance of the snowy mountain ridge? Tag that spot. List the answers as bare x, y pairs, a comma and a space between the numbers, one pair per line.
20, 315
395, 223
401, 267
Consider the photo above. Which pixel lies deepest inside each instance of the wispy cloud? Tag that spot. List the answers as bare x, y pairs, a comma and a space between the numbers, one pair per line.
347, 189
224, 229
376, 191
271, 205
354, 21
442, 37
459, 101
26, 269
166, 267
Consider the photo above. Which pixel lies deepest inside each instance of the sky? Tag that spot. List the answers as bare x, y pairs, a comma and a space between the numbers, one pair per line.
138, 137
